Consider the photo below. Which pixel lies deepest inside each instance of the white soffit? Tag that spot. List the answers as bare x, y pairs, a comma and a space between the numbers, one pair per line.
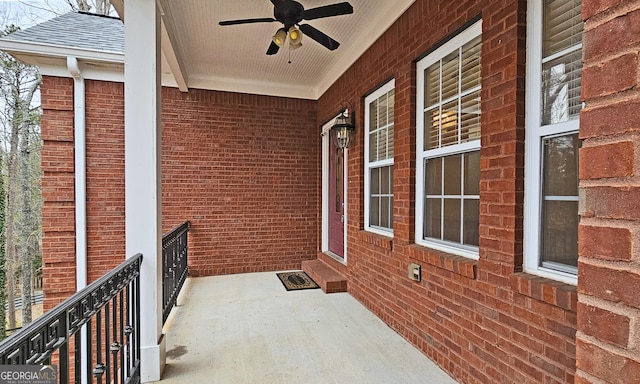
232, 58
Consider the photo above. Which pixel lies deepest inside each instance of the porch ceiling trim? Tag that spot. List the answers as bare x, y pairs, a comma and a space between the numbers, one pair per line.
174, 61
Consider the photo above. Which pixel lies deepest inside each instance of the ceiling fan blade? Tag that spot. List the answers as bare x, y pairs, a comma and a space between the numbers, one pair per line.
328, 11
273, 49
248, 21
320, 37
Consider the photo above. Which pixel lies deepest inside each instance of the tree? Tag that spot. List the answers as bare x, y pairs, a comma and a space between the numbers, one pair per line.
18, 85
58, 7
102, 7
30, 228
3, 274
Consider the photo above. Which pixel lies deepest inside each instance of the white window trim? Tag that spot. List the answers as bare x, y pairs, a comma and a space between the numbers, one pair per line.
421, 154
534, 135
368, 165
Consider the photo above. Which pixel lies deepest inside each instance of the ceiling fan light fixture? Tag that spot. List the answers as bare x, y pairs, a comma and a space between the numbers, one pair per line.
280, 37
295, 38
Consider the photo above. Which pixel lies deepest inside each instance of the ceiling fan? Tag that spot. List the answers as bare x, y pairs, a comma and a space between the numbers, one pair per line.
290, 13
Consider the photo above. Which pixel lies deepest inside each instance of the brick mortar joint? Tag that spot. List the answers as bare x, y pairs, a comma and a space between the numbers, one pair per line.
590, 378
601, 102
632, 266
603, 59
626, 183
604, 222
611, 306
618, 138
613, 349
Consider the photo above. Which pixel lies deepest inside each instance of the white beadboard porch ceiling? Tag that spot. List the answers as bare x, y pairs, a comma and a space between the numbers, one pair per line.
232, 58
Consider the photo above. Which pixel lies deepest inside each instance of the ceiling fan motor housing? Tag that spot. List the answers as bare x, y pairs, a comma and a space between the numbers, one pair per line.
289, 13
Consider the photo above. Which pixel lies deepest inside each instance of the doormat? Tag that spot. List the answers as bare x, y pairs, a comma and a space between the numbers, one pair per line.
297, 280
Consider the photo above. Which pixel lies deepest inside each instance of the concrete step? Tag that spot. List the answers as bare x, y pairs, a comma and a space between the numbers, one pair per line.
329, 280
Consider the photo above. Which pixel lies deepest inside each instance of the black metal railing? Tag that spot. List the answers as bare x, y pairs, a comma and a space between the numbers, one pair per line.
107, 312
174, 266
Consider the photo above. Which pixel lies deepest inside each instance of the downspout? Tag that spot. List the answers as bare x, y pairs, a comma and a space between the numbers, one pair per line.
80, 172
79, 135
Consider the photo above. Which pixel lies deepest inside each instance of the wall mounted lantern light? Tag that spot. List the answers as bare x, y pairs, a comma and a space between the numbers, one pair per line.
344, 129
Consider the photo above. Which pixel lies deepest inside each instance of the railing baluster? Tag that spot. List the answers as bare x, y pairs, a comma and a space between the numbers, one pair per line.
174, 266
136, 316
63, 354
98, 369
129, 329
107, 351
115, 346
89, 354
122, 340
51, 334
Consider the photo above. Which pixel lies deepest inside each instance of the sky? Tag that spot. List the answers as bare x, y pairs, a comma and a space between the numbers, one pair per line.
25, 13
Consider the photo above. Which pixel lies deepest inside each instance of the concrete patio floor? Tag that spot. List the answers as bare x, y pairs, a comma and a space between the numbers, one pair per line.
249, 329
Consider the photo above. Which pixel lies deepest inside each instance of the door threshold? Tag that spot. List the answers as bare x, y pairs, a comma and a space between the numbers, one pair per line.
335, 256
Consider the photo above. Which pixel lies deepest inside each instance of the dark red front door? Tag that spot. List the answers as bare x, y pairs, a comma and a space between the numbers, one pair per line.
336, 199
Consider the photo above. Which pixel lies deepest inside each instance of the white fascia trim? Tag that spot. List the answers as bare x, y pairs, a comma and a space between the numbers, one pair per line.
371, 35
49, 50
116, 76
256, 88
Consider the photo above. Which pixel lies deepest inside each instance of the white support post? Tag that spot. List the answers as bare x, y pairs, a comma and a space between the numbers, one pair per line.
143, 173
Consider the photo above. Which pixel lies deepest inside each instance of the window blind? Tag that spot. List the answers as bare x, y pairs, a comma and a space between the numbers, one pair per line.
381, 127
562, 61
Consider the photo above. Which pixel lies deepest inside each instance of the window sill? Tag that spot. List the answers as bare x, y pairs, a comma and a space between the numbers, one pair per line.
459, 265
380, 241
553, 292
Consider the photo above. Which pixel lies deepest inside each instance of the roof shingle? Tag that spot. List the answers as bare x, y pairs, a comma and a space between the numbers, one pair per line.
77, 30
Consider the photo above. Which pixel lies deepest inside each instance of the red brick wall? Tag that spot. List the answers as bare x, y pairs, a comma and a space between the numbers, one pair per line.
608, 341
244, 169
482, 321
58, 212
105, 176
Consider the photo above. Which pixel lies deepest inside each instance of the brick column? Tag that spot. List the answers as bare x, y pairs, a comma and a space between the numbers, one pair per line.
608, 339
58, 217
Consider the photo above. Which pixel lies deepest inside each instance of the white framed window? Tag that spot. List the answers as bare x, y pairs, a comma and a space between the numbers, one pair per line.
554, 68
378, 159
448, 145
